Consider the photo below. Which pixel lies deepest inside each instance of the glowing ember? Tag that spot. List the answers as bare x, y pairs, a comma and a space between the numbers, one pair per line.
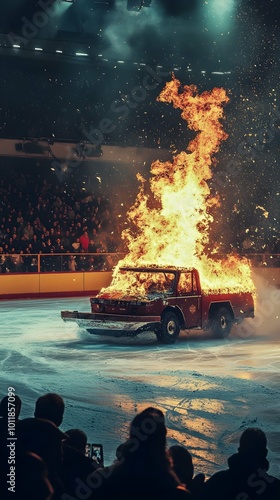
265, 212
171, 221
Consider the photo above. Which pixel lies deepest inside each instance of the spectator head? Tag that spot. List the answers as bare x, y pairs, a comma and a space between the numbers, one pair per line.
253, 441
4, 406
182, 463
50, 406
148, 427
32, 478
77, 439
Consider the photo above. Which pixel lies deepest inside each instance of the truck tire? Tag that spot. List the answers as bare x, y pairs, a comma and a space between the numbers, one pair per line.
221, 323
169, 329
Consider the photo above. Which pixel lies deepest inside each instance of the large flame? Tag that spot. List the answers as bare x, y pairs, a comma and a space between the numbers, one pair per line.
172, 220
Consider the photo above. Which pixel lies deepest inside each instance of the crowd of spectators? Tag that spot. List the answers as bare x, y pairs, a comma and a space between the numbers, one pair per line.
40, 216
49, 226
52, 464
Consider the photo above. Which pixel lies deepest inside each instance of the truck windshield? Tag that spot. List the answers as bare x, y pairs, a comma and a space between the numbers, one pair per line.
147, 283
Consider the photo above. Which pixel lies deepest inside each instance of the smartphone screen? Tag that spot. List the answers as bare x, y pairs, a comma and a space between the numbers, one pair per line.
97, 453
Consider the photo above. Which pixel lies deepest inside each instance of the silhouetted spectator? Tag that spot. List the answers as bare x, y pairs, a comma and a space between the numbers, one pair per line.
50, 406
43, 438
32, 480
76, 467
182, 464
144, 468
77, 439
247, 477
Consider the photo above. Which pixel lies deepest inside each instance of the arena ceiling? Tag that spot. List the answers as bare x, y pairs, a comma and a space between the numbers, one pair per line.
165, 32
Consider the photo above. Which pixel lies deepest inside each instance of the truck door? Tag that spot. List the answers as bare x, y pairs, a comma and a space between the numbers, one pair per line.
189, 299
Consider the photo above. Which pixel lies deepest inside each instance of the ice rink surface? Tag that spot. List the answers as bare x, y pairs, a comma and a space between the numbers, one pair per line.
210, 390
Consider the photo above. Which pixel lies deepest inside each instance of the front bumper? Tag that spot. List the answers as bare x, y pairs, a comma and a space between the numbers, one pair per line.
117, 326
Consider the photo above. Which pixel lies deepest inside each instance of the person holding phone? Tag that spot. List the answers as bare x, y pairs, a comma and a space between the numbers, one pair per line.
76, 462
143, 468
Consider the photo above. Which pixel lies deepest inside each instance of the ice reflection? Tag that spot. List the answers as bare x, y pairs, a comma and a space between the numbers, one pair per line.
245, 375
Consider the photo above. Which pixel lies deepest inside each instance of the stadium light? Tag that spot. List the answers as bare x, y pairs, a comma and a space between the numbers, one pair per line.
220, 14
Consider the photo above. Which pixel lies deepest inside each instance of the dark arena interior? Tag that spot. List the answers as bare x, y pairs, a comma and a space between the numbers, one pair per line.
103, 107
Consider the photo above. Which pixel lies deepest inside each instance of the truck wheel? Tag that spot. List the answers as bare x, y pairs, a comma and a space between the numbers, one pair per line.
221, 323
169, 329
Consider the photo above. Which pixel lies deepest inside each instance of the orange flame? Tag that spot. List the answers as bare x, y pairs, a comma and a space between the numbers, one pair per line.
172, 221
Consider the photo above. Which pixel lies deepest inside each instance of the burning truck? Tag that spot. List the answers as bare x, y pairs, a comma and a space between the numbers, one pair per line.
165, 301
169, 223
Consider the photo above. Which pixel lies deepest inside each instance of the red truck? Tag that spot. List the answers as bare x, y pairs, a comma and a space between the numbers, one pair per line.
165, 301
